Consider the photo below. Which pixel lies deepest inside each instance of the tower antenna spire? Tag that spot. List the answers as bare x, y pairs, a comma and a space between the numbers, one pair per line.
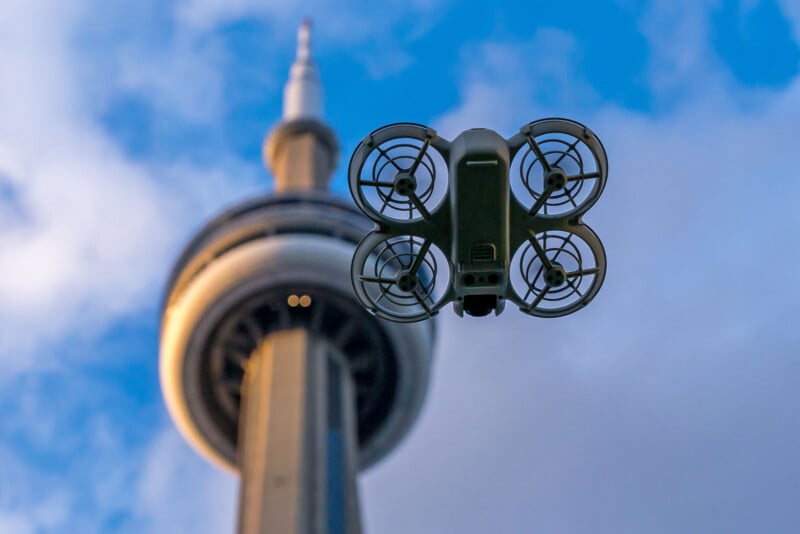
302, 96
302, 151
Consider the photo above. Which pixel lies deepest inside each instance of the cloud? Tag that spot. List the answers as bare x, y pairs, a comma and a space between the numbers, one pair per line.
24, 506
666, 405
184, 79
680, 51
352, 20
533, 75
47, 515
179, 492
79, 463
87, 234
387, 27
791, 11
86, 229
623, 435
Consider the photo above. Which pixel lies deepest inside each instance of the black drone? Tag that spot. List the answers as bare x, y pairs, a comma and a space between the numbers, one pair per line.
478, 220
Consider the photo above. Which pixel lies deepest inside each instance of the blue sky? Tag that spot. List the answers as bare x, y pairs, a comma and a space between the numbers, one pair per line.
668, 405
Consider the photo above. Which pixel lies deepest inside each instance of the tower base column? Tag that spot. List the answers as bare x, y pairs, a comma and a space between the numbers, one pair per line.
297, 439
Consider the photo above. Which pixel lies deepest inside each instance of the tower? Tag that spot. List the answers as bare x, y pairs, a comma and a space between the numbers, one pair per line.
268, 364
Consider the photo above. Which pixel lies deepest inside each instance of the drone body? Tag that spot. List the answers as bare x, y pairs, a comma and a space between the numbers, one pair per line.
479, 204
478, 221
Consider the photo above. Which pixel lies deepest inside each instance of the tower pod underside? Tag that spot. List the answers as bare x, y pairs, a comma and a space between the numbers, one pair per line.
270, 264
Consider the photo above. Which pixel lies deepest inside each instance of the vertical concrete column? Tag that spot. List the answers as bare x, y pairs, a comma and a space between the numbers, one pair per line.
344, 516
297, 440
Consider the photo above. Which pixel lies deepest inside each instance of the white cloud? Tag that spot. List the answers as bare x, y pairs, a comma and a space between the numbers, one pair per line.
47, 515
184, 79
387, 26
86, 230
207, 14
179, 492
352, 20
383, 63
87, 234
666, 405
34, 501
680, 52
791, 11
534, 75
71, 463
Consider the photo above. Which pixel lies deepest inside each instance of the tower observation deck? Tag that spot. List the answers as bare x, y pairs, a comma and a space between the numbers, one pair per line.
269, 366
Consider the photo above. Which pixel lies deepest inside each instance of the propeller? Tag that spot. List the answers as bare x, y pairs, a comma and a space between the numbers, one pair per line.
398, 173
559, 168
557, 272
402, 278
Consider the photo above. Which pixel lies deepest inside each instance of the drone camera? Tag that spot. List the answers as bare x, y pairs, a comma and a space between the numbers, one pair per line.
480, 305
482, 290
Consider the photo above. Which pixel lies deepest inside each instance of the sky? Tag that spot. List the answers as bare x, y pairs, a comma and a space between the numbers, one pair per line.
667, 405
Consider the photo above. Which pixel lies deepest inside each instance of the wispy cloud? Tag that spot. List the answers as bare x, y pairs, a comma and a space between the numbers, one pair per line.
88, 228
387, 27
669, 396
73, 459
680, 47
504, 81
183, 79
665, 406
201, 498
792, 12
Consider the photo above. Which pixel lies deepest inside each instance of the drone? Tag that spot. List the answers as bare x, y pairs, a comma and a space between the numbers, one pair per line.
478, 221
